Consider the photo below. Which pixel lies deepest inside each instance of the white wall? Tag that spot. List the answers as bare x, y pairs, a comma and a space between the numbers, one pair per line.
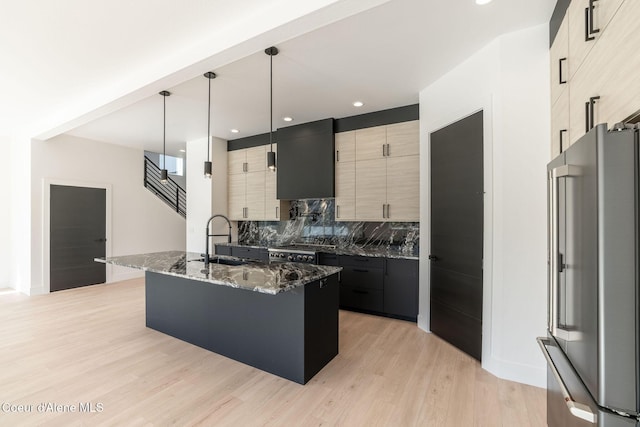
20, 251
206, 196
5, 216
140, 222
509, 80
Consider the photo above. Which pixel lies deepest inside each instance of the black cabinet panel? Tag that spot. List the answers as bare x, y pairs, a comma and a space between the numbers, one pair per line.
361, 298
305, 161
401, 288
328, 259
361, 277
223, 250
362, 261
258, 254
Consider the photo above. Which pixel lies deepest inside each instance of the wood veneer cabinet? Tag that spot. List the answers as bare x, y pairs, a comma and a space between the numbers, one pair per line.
345, 176
599, 38
387, 187
275, 210
378, 173
246, 183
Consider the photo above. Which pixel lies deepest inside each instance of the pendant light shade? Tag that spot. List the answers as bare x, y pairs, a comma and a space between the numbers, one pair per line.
271, 155
208, 166
164, 175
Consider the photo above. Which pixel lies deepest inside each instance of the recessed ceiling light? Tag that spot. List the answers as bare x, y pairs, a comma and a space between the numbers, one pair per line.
287, 119
481, 2
358, 104
234, 131
183, 151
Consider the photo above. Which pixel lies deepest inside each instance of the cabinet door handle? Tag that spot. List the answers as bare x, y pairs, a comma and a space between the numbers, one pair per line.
560, 61
358, 291
592, 9
589, 112
388, 211
589, 31
562, 131
337, 211
383, 211
384, 150
337, 155
357, 270
277, 216
388, 150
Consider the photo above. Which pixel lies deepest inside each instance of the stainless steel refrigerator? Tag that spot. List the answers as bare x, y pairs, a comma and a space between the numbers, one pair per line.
593, 342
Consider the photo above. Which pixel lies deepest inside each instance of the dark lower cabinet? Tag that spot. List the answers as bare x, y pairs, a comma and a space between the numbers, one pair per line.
223, 250
258, 254
401, 288
385, 286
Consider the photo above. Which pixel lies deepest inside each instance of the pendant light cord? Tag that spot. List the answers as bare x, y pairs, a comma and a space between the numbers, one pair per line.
271, 102
164, 132
209, 120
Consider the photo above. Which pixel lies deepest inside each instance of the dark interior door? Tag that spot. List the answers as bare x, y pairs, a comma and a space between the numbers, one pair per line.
456, 234
78, 235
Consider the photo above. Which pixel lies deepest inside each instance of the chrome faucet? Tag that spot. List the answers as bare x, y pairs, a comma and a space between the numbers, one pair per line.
206, 254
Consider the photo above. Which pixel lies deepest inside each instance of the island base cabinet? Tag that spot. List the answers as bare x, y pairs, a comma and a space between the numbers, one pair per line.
292, 334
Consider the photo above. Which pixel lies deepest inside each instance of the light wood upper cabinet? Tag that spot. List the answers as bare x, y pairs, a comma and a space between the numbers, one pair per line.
579, 47
586, 27
237, 187
345, 146
371, 189
370, 143
345, 191
617, 83
559, 55
248, 184
602, 85
255, 196
257, 158
274, 209
382, 183
560, 137
402, 138
236, 160
403, 188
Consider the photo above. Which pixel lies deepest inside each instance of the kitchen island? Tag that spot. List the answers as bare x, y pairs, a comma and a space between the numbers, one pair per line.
279, 317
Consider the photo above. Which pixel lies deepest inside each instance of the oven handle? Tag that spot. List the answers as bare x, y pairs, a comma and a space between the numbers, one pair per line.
577, 409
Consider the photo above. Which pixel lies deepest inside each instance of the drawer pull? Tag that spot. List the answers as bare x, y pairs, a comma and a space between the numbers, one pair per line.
358, 291
360, 271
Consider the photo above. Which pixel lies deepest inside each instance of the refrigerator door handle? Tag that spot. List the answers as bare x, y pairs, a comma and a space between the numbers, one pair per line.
557, 262
577, 409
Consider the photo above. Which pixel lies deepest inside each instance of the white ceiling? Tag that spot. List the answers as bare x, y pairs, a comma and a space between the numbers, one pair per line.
382, 56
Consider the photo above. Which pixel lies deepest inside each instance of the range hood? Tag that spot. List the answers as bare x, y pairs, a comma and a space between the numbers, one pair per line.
305, 161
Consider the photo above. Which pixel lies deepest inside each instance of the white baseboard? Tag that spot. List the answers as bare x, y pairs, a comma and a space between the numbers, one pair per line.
526, 374
423, 323
36, 290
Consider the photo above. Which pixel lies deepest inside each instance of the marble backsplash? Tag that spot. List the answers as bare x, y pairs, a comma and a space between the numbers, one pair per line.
313, 221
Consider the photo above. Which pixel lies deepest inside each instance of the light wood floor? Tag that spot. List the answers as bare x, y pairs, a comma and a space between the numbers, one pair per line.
91, 345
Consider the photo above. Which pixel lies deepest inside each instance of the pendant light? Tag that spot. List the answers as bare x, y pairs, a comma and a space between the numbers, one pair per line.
210, 75
164, 176
271, 155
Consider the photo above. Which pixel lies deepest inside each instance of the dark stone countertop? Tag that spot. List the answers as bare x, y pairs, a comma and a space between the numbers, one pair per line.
250, 275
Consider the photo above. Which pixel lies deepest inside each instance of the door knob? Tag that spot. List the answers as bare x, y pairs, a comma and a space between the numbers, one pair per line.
433, 258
